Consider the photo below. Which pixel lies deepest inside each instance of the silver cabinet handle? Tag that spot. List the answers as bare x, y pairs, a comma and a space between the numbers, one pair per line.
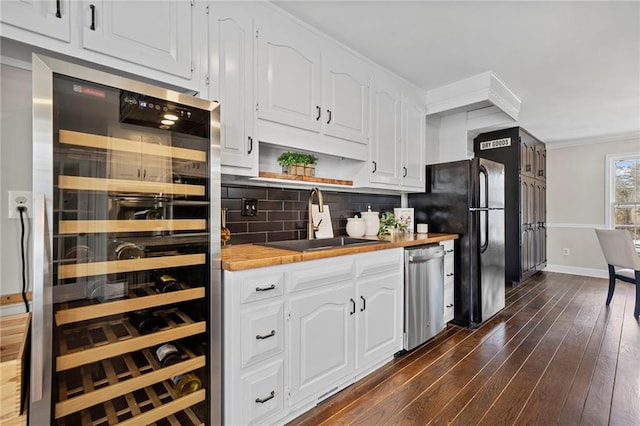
266, 336
271, 287
263, 400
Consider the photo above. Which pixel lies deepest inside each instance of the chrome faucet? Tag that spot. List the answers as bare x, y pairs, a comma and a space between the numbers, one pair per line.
311, 228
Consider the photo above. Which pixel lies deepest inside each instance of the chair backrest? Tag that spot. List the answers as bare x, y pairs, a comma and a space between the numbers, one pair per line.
618, 248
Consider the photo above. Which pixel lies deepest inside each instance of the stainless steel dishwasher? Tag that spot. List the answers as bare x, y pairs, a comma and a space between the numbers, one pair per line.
423, 294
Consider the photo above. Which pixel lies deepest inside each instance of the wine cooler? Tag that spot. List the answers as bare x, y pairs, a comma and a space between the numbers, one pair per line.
126, 240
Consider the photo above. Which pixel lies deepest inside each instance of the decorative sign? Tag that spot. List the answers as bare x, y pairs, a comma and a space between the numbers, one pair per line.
496, 143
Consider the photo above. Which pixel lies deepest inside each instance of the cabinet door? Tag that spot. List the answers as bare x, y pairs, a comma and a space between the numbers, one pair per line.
379, 327
238, 145
49, 17
288, 75
385, 137
346, 97
540, 224
527, 215
413, 144
527, 154
540, 161
153, 34
321, 344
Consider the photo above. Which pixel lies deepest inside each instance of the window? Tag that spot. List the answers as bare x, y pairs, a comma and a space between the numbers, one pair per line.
623, 198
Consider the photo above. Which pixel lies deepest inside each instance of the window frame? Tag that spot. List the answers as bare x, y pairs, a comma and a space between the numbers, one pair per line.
610, 179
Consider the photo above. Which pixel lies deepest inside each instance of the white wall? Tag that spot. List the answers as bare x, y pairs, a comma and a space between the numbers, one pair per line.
15, 172
576, 203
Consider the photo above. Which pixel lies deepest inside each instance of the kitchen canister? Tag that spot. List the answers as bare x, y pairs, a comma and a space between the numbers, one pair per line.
356, 226
372, 221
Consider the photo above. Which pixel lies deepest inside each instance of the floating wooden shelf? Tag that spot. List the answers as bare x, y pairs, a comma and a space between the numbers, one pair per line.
117, 144
84, 344
125, 185
130, 265
133, 303
310, 179
102, 226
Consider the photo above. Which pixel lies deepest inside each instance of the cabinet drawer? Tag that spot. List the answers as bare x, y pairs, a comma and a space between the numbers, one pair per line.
447, 245
320, 273
260, 287
448, 265
262, 333
377, 262
448, 303
262, 394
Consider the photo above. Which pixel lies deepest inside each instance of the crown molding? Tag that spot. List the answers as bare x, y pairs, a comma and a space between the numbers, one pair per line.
594, 140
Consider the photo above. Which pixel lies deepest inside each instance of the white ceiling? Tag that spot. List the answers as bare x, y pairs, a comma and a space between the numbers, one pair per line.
574, 65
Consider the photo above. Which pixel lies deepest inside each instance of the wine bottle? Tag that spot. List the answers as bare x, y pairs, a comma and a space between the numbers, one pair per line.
185, 384
144, 321
166, 283
167, 354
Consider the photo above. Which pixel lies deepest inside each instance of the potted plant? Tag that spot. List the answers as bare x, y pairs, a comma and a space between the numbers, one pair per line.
390, 225
296, 163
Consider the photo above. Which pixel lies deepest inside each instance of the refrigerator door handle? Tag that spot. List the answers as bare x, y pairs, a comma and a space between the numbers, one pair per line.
484, 204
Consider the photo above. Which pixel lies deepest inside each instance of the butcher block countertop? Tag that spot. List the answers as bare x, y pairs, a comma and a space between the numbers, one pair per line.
249, 256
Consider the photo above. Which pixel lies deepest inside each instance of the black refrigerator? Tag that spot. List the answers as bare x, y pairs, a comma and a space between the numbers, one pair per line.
467, 198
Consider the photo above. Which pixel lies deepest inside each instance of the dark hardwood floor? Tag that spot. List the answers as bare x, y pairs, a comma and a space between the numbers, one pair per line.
556, 355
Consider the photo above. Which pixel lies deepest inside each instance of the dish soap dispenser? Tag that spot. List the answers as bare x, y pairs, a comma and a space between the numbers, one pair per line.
371, 220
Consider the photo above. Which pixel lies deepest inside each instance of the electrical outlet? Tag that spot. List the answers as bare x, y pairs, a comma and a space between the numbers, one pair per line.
249, 207
566, 252
20, 198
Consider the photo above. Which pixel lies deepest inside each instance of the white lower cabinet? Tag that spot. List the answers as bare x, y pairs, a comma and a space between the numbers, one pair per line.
261, 394
295, 334
449, 276
322, 337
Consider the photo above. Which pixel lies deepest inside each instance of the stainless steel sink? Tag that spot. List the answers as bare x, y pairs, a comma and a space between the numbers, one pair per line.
320, 244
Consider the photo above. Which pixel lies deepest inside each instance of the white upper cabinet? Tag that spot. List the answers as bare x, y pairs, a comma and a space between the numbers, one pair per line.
346, 96
233, 76
288, 75
47, 17
313, 94
413, 142
154, 34
385, 132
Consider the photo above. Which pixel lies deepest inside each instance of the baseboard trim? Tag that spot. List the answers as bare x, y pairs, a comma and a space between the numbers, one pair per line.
576, 270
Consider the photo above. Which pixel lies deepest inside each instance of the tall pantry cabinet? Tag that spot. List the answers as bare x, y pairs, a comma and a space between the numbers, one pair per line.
524, 158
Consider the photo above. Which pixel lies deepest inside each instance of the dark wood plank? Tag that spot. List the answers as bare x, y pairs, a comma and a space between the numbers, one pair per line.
554, 355
625, 404
546, 402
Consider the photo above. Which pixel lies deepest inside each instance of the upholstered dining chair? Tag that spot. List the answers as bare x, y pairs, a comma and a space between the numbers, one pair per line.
624, 261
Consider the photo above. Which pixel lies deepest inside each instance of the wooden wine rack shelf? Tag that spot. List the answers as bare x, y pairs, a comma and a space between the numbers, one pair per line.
87, 343
126, 185
103, 226
125, 145
129, 265
133, 303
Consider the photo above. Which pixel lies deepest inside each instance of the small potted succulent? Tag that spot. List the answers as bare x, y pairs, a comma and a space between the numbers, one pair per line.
296, 163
